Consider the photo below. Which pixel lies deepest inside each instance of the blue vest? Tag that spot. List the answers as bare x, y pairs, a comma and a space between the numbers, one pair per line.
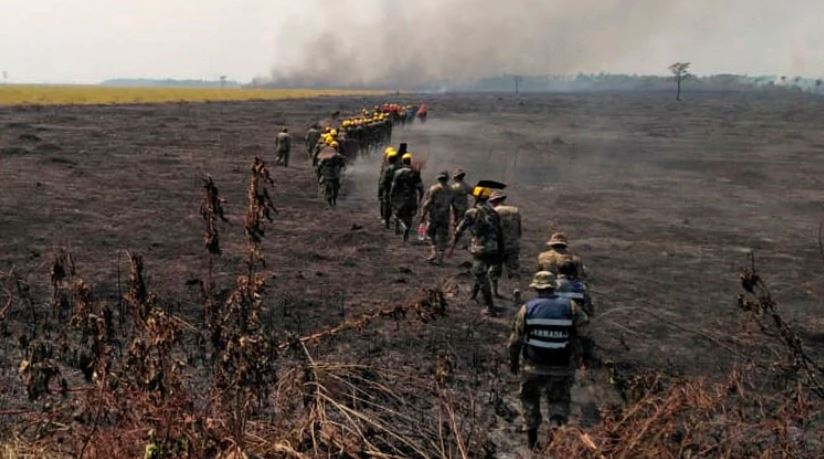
573, 289
549, 331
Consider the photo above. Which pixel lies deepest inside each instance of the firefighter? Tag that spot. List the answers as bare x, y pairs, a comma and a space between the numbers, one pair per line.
405, 194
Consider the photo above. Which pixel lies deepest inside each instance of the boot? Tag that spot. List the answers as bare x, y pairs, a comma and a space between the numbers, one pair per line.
495, 288
490, 311
532, 438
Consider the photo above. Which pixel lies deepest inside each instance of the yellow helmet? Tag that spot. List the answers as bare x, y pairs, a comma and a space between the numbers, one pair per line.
407, 156
333, 132
481, 192
333, 144
392, 154
389, 150
345, 123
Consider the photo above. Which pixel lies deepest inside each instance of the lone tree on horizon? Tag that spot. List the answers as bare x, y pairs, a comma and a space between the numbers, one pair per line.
680, 70
518, 79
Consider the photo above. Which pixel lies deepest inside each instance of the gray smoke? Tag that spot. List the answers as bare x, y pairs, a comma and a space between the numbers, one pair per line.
401, 44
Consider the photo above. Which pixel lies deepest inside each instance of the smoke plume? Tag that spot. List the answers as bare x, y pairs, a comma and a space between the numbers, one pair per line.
403, 44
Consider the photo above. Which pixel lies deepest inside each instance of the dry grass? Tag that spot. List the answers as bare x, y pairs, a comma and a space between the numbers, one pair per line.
104, 95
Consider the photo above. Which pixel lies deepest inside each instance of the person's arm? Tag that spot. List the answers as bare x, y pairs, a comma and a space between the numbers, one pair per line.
516, 339
465, 221
392, 185
426, 206
583, 345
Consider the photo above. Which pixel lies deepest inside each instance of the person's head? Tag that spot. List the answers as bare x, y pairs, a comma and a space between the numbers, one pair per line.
497, 198
443, 177
407, 159
481, 194
557, 241
543, 282
284, 130
392, 156
568, 269
458, 175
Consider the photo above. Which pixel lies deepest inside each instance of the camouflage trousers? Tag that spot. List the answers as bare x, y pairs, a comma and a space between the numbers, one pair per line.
512, 261
480, 270
282, 157
438, 232
556, 389
404, 212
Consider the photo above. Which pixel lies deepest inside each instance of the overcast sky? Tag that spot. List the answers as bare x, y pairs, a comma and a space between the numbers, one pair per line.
360, 41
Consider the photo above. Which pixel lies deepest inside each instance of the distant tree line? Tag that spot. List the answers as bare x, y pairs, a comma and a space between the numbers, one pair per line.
171, 83
585, 82
622, 82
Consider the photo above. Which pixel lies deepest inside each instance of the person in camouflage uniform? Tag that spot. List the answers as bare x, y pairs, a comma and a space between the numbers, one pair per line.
329, 168
511, 227
283, 145
387, 174
556, 254
460, 195
569, 285
311, 139
436, 211
389, 151
546, 335
405, 194
486, 244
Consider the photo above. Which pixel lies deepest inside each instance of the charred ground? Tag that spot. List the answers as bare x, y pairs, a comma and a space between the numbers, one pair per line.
663, 200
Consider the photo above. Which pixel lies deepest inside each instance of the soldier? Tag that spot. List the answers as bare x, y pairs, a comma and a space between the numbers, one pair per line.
556, 254
511, 227
283, 143
311, 139
485, 246
460, 196
390, 161
546, 332
405, 194
329, 168
569, 285
436, 210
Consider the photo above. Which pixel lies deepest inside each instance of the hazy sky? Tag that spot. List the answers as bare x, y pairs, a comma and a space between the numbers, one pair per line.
404, 41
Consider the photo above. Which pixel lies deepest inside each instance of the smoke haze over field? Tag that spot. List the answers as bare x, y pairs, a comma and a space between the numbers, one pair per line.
409, 43
403, 43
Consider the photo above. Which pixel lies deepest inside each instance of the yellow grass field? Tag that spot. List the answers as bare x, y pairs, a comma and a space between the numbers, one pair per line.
90, 94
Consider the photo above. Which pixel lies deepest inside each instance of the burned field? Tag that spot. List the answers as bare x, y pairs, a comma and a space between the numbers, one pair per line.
349, 343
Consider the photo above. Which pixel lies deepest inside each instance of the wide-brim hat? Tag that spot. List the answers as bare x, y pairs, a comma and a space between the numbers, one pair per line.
496, 195
543, 280
557, 239
444, 175
458, 173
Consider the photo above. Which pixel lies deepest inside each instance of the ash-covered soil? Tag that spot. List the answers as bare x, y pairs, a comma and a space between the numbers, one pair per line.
663, 200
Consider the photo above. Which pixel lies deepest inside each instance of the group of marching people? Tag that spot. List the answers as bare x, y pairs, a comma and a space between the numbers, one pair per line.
330, 148
403, 114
